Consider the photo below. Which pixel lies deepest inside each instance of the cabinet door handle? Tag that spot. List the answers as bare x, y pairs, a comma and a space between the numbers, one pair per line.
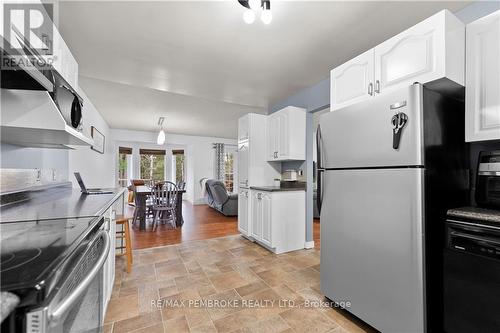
377, 87
370, 89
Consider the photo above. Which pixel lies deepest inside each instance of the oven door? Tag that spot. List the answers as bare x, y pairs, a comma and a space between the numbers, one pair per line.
77, 305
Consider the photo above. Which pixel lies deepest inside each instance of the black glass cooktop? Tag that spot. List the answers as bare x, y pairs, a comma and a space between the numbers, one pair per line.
31, 251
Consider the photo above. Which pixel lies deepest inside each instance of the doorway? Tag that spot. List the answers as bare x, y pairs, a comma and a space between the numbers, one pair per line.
316, 216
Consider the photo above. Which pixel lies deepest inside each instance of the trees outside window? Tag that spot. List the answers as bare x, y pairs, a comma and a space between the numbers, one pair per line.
179, 174
124, 166
152, 165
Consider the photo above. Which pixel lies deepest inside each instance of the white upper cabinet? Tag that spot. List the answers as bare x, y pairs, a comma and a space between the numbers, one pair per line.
253, 169
243, 128
286, 135
482, 92
352, 82
431, 50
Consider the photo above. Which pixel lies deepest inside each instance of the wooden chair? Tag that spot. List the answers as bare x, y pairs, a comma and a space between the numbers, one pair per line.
181, 185
164, 197
124, 235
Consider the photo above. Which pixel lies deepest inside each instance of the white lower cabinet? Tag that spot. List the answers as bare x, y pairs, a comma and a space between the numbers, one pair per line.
278, 219
109, 265
243, 212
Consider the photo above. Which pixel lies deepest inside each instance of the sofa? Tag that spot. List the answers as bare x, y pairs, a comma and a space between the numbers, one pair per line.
217, 197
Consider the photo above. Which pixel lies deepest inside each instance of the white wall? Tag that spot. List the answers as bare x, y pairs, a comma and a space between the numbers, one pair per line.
198, 149
97, 170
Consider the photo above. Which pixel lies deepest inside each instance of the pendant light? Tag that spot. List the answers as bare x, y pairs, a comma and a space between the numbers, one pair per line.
252, 9
161, 135
254, 4
266, 16
249, 16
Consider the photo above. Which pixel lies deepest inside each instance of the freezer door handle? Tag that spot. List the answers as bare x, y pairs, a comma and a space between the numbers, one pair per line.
320, 170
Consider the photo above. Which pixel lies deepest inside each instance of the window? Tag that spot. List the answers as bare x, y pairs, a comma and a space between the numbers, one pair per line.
229, 170
178, 166
124, 166
152, 164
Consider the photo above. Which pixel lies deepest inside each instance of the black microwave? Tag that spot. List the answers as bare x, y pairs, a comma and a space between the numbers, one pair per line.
488, 179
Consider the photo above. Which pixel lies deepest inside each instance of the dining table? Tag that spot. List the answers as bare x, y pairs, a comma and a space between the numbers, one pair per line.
142, 192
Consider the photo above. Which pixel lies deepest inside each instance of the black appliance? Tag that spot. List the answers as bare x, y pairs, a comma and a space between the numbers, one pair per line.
488, 179
472, 276
56, 269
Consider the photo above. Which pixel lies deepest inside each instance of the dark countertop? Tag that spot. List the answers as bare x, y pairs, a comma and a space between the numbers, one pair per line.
8, 302
50, 224
60, 202
475, 213
276, 188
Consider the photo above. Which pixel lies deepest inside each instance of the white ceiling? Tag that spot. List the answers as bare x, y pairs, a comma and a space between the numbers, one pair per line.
201, 66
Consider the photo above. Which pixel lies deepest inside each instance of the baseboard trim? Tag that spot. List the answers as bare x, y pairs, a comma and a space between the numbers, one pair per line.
309, 245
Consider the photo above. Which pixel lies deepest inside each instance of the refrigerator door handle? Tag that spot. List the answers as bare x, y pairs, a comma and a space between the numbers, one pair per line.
320, 170
319, 196
319, 142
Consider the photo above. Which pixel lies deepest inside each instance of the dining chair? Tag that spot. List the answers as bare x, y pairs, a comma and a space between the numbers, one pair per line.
181, 185
164, 197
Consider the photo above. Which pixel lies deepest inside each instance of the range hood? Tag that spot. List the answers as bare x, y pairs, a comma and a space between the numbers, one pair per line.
22, 72
31, 118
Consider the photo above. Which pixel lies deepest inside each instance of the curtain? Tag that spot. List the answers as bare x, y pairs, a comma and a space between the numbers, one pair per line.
219, 161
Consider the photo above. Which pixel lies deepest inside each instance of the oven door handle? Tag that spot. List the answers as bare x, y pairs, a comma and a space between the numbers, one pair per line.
68, 301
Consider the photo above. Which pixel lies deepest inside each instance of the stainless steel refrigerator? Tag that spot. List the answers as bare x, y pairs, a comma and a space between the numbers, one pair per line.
389, 168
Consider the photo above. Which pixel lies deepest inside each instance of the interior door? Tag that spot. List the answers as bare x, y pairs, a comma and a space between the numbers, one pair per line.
372, 245
256, 216
243, 212
352, 82
266, 219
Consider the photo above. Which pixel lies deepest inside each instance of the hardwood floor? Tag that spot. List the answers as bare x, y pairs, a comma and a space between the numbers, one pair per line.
316, 228
200, 222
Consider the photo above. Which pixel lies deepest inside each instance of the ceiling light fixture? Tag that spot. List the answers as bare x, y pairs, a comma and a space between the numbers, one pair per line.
253, 6
249, 16
161, 135
266, 16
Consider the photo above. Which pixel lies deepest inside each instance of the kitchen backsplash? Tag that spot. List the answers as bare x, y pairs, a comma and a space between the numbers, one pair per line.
13, 180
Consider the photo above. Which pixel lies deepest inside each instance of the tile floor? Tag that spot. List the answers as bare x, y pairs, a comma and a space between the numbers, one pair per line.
223, 284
